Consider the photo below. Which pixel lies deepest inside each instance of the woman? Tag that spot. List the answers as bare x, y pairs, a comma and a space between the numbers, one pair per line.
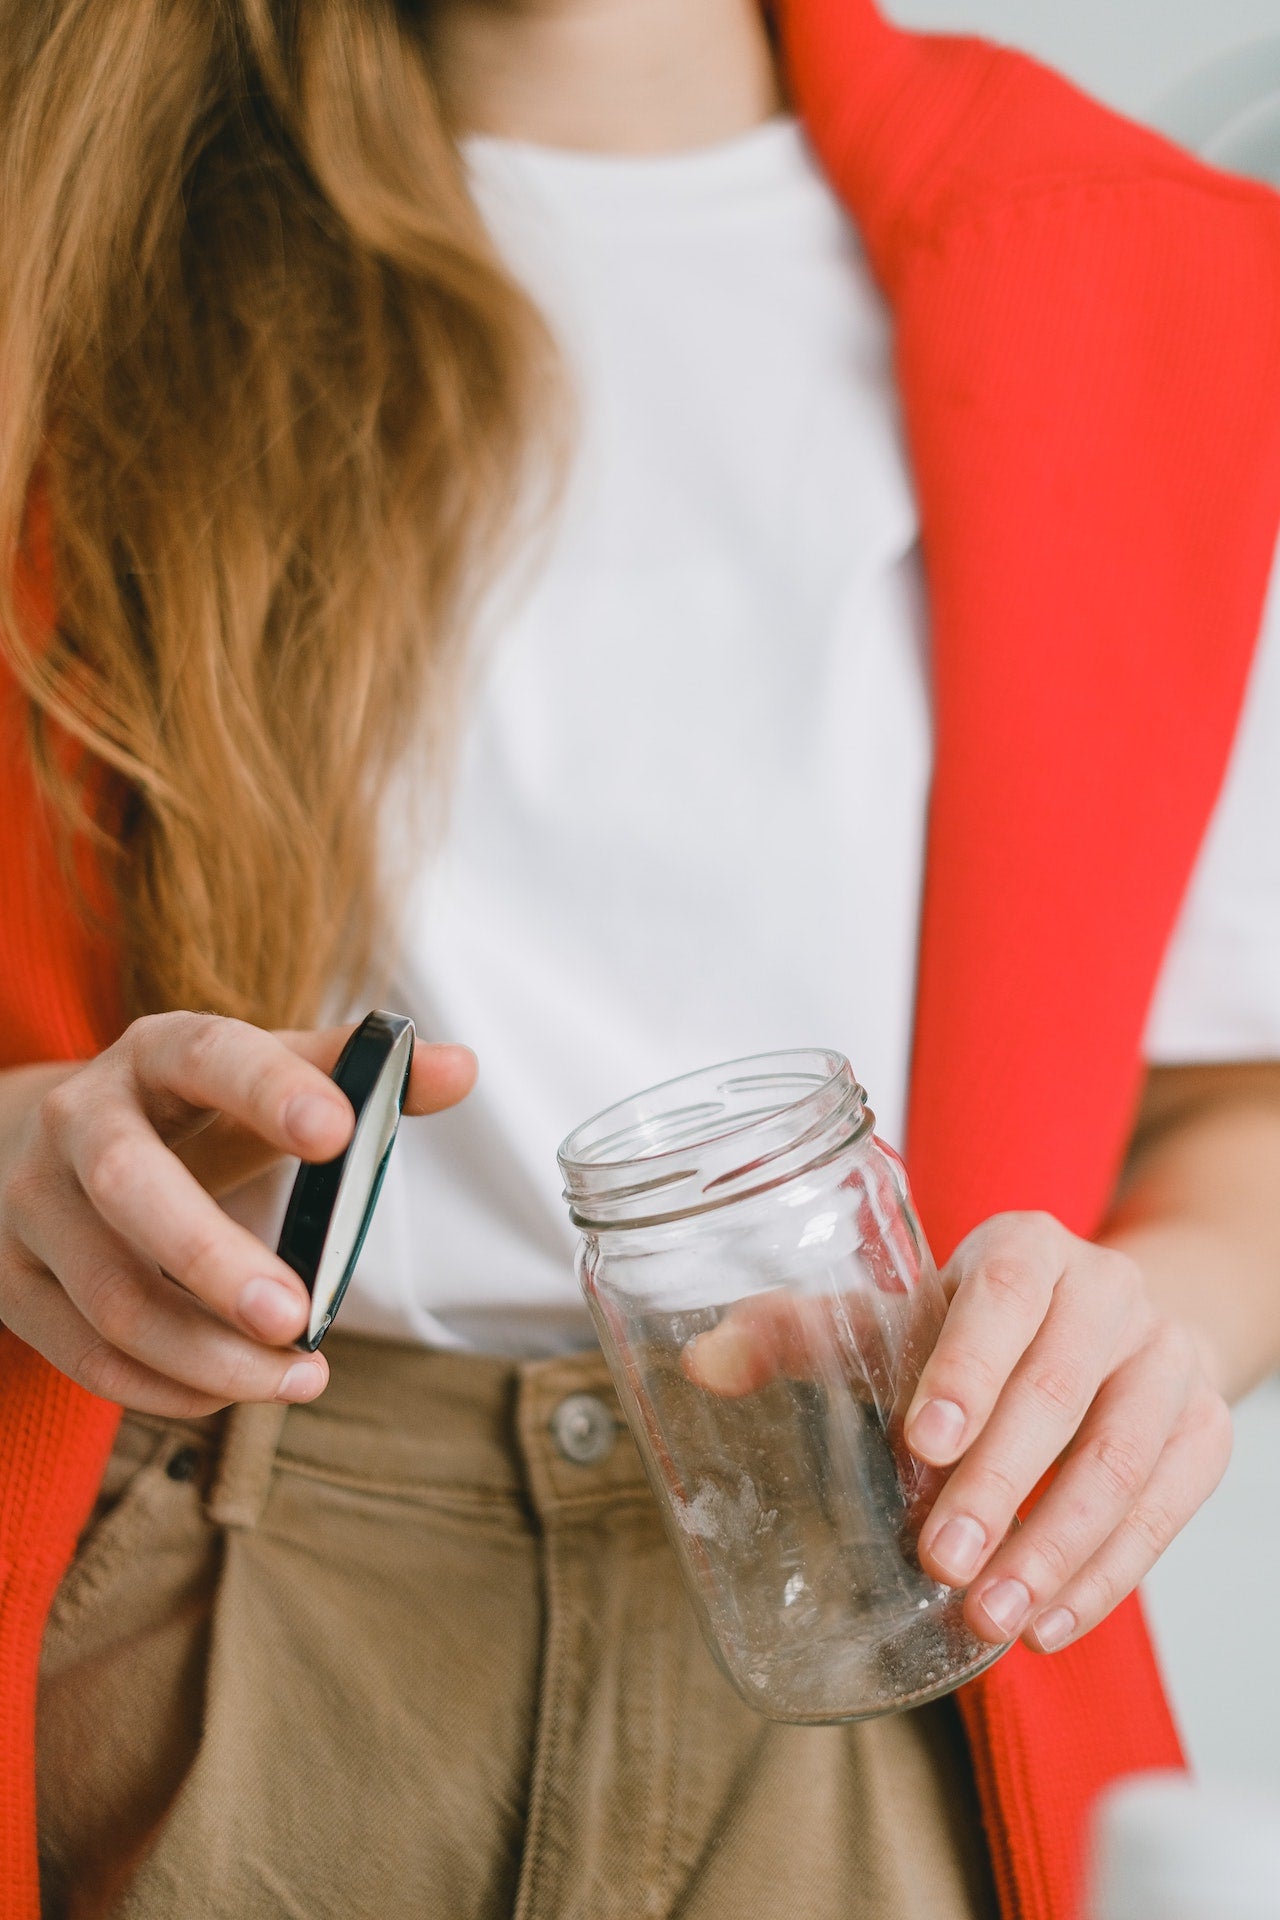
287, 381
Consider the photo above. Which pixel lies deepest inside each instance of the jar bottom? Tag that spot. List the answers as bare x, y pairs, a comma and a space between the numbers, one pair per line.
833, 1682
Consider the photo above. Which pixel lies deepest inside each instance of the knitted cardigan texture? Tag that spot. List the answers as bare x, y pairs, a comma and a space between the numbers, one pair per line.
1087, 330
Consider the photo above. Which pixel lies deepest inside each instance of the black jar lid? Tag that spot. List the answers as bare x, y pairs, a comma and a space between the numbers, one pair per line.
332, 1202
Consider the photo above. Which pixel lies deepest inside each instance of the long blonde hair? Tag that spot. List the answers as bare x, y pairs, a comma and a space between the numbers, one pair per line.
258, 354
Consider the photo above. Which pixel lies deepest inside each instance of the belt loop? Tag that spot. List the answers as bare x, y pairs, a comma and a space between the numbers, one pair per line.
246, 1458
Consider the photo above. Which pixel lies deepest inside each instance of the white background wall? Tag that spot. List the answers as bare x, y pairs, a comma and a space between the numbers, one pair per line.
1215, 1598
1214, 1602
1130, 52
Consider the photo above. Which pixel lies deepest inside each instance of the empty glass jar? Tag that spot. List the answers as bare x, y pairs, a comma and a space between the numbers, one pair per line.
765, 1300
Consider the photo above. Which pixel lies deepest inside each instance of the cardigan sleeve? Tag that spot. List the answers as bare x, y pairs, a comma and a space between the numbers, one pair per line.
58, 968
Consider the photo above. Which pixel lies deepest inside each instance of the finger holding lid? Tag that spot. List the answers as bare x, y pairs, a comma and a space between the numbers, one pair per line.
442, 1075
146, 1194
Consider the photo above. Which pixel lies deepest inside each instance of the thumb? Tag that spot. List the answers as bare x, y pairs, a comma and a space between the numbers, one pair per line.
442, 1074
223, 1156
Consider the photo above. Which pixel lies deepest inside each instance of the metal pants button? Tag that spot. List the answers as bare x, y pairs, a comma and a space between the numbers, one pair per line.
583, 1429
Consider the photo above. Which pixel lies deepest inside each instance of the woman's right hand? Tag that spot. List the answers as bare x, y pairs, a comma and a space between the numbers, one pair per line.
116, 1262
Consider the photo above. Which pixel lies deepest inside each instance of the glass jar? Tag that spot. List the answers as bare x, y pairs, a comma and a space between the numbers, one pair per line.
765, 1300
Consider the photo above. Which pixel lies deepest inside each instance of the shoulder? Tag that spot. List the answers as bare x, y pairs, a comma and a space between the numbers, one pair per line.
922, 133
1024, 136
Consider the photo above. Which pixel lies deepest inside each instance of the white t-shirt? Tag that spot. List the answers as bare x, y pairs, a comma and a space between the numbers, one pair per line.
688, 820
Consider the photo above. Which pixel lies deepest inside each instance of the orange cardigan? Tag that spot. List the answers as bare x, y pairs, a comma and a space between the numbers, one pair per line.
1088, 344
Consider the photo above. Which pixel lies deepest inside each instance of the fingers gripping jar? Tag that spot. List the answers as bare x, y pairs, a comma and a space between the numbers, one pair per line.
766, 1301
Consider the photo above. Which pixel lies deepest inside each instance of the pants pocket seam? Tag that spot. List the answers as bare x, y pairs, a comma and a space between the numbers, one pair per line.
110, 1543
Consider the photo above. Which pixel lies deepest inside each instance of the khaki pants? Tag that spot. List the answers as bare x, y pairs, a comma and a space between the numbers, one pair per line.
421, 1650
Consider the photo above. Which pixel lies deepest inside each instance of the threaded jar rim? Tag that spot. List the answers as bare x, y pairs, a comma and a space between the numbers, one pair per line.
708, 1138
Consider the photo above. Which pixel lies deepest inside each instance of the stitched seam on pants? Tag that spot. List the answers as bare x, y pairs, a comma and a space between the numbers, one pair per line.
147, 1499
657, 1809
463, 1500
679, 1720
548, 1740
587, 1508
666, 1724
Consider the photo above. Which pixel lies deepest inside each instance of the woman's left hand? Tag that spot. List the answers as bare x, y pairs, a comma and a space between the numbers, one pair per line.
1053, 1350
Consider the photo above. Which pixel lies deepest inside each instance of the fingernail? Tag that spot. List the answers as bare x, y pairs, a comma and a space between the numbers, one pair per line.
1054, 1629
304, 1380
1006, 1606
936, 1430
272, 1310
312, 1119
958, 1548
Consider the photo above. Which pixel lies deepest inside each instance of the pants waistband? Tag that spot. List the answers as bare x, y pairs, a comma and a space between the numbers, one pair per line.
549, 1433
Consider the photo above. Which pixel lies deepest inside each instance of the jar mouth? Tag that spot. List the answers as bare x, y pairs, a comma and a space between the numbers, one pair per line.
710, 1137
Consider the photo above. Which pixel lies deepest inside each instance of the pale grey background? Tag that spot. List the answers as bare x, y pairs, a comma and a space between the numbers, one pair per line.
1215, 1598
1130, 52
